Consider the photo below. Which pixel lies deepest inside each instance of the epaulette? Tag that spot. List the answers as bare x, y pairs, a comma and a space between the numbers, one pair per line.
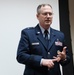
29, 28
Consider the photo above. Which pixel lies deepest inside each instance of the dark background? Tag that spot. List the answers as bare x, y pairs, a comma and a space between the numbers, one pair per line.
65, 28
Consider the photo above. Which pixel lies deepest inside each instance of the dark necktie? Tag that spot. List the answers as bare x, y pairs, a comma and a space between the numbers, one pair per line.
46, 34
46, 37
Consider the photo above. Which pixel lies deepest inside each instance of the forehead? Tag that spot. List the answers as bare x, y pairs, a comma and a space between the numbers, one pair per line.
46, 9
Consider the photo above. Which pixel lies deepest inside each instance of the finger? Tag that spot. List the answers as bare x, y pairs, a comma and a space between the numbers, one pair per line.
57, 59
58, 52
54, 57
64, 49
54, 60
59, 55
51, 64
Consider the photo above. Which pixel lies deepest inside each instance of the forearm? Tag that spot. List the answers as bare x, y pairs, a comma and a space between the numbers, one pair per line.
27, 59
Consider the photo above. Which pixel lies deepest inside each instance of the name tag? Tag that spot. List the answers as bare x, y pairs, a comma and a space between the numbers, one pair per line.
36, 43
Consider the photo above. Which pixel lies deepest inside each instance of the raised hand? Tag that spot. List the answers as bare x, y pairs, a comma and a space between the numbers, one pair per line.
50, 62
61, 55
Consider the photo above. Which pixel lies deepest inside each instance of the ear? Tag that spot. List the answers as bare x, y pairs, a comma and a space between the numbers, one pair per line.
37, 15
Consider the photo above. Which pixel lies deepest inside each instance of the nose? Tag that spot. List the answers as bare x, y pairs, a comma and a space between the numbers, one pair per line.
48, 15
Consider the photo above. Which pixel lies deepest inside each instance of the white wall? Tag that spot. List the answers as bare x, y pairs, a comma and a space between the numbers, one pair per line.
14, 16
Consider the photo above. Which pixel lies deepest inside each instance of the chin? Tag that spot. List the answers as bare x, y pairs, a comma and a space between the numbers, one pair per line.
47, 24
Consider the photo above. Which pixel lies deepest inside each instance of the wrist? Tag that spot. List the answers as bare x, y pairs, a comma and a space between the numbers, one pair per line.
64, 59
41, 63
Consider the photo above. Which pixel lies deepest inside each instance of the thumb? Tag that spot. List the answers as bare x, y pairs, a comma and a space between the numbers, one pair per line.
64, 49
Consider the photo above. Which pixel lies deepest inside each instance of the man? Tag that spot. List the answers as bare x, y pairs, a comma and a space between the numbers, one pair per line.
42, 49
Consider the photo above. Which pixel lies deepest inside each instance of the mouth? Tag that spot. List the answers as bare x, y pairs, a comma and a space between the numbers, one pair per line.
47, 21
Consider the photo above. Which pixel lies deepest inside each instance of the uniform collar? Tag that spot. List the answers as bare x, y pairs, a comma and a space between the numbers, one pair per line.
42, 29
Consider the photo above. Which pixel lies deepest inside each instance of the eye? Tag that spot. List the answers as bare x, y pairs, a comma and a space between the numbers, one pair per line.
45, 14
50, 14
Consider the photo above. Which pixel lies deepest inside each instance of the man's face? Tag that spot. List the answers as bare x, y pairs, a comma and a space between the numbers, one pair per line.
45, 16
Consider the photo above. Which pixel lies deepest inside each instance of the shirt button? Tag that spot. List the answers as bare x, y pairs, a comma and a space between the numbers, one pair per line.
48, 52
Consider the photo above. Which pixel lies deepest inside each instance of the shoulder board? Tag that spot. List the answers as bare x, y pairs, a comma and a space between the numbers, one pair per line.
30, 28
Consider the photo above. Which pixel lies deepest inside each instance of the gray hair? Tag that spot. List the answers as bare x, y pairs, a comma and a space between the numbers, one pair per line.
42, 5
